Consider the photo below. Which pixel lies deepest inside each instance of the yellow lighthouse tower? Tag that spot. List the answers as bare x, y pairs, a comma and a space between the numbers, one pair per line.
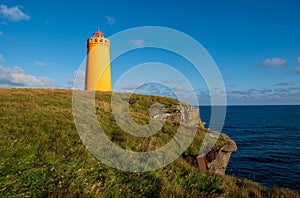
98, 75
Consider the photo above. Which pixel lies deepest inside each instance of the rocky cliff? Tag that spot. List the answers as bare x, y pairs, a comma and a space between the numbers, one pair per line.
214, 161
217, 161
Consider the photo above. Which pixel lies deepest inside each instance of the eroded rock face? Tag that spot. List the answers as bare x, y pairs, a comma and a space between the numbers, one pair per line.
213, 161
217, 161
180, 113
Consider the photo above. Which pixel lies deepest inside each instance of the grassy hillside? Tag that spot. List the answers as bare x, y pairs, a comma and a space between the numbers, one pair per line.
41, 154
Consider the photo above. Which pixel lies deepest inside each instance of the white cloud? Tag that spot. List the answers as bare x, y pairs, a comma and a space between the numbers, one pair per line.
1, 58
40, 63
278, 95
129, 88
79, 75
110, 20
288, 83
264, 95
274, 62
137, 42
170, 82
180, 88
296, 70
13, 14
16, 76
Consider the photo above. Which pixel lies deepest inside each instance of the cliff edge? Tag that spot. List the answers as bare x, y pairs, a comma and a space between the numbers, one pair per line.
42, 154
215, 160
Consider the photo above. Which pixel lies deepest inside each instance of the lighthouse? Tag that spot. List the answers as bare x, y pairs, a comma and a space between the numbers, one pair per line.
98, 76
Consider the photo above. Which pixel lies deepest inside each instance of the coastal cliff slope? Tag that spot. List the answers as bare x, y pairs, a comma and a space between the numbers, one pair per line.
42, 154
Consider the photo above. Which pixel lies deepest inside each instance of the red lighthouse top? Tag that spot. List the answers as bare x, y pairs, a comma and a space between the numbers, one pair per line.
98, 33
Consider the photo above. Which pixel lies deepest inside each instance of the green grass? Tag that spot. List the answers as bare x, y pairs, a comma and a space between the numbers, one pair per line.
41, 154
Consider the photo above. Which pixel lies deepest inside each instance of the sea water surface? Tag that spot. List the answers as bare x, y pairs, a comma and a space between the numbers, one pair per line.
268, 140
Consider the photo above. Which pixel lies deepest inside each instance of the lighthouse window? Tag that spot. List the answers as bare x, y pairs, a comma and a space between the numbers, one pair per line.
105, 41
101, 40
96, 40
91, 40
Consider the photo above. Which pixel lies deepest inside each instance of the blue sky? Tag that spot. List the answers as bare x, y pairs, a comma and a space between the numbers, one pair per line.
255, 44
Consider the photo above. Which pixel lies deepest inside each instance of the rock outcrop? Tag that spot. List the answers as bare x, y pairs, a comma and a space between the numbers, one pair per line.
180, 113
217, 161
214, 161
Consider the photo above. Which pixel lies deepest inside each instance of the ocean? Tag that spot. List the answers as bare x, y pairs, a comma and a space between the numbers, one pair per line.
268, 140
